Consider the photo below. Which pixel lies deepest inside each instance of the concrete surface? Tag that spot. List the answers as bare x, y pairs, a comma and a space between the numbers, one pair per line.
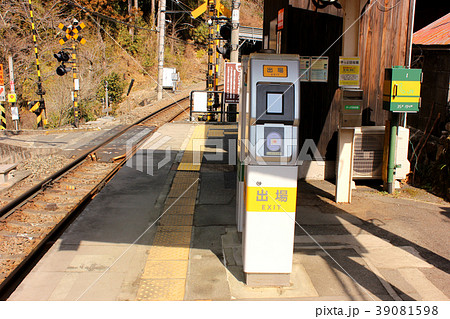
377, 248
102, 254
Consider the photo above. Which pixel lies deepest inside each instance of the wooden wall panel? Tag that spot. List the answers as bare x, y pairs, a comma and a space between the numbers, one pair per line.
382, 44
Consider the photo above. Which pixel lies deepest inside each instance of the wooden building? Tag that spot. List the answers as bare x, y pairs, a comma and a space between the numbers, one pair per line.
377, 31
431, 53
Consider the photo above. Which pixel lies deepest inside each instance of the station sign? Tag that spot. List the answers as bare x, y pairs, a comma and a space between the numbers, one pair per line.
280, 20
271, 199
319, 69
232, 82
349, 72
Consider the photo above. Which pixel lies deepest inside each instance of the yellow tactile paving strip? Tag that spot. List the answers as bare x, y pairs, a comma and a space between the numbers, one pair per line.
164, 276
161, 289
193, 154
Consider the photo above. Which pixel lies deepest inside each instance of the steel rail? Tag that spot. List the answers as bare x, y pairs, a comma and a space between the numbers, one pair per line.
10, 283
15, 203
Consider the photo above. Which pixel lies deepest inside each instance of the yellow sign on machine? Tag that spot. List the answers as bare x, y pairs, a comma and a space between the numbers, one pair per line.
271, 199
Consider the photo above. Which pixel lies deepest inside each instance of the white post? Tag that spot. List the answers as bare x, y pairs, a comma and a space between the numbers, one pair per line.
14, 110
106, 98
161, 30
234, 56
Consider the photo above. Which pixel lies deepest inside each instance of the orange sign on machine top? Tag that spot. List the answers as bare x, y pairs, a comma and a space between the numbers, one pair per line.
275, 71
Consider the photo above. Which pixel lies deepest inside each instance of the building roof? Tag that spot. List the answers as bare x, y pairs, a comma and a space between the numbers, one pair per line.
436, 33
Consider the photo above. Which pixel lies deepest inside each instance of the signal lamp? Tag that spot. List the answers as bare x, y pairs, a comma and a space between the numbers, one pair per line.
62, 56
62, 70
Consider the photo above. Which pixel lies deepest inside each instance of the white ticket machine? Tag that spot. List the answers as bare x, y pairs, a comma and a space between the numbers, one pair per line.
267, 174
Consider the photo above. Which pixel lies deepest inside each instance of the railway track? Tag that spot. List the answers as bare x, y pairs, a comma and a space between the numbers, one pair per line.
30, 223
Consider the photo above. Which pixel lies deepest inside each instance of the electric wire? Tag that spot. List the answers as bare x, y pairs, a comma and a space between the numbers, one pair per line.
317, 59
131, 57
111, 19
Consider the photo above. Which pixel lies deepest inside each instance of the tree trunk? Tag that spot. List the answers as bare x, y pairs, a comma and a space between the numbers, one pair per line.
130, 7
152, 14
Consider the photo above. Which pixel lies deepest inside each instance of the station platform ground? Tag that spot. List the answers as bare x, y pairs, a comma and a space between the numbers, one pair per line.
164, 228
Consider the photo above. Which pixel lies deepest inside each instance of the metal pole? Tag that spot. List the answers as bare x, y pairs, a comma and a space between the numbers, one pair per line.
412, 13
161, 29
210, 79
13, 90
42, 118
2, 107
234, 56
76, 85
391, 159
217, 42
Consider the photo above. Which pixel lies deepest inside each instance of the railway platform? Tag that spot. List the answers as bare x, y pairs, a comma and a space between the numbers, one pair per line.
164, 228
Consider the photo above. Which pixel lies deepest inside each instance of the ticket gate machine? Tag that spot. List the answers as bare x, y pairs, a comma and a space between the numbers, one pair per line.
267, 174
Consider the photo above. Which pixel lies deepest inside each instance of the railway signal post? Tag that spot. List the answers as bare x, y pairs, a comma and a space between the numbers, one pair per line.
214, 8
2, 99
72, 33
41, 119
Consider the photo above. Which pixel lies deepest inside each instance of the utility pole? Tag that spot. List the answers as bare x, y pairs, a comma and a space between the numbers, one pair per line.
211, 77
161, 30
213, 8
2, 99
234, 56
